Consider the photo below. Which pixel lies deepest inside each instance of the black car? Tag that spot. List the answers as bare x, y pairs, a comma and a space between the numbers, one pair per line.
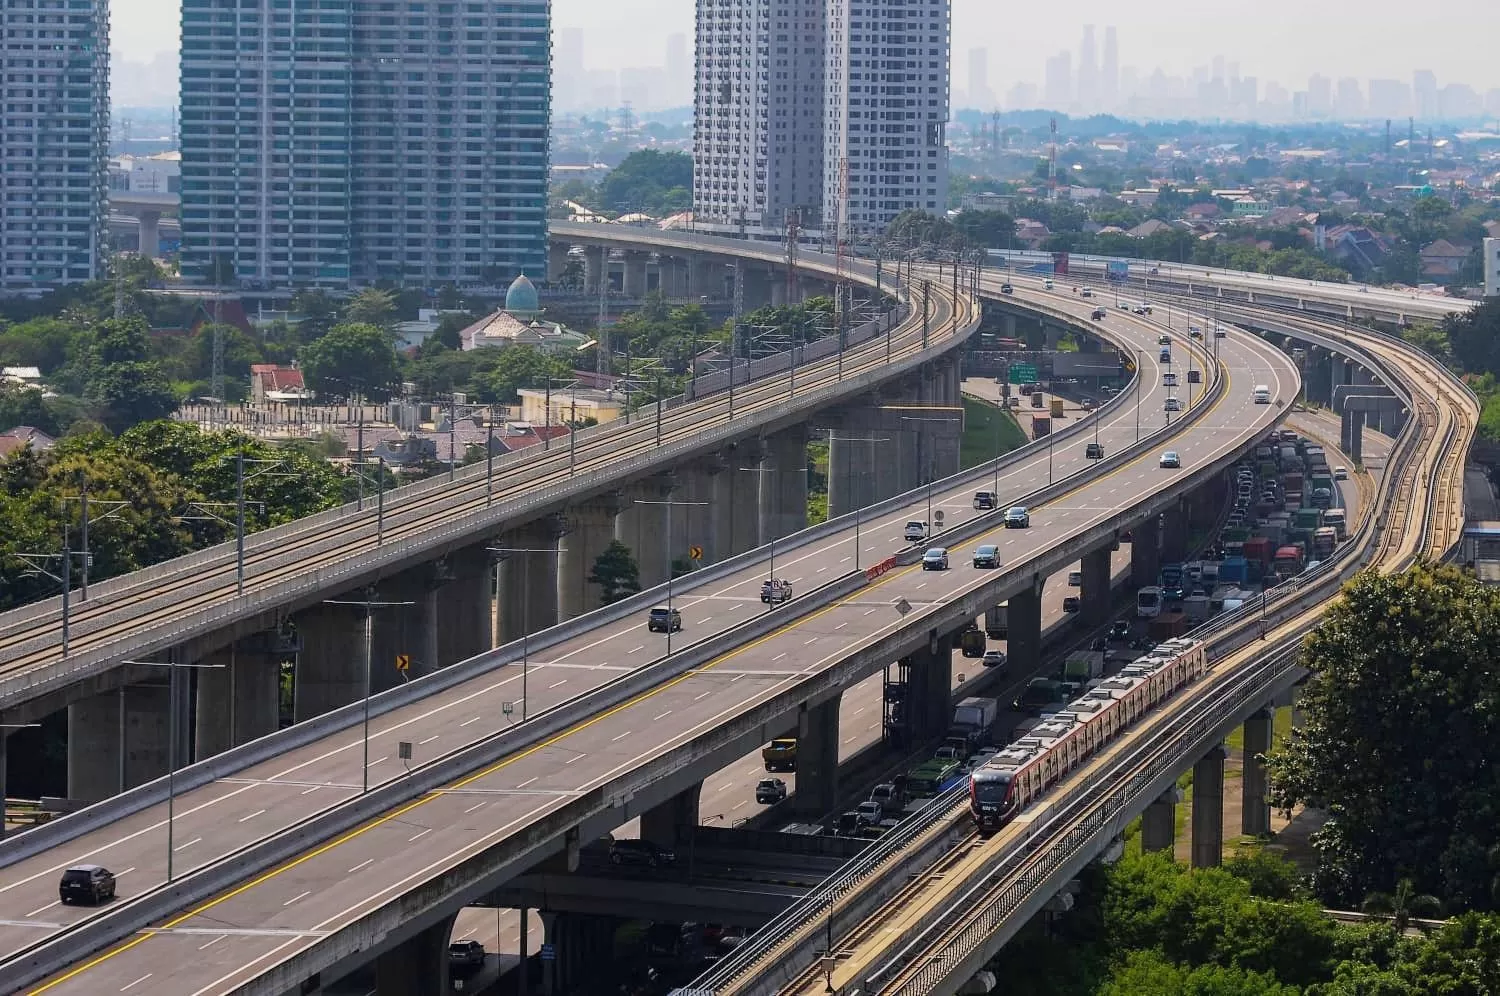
465, 956
663, 620
86, 884
640, 852
1094, 451
1119, 630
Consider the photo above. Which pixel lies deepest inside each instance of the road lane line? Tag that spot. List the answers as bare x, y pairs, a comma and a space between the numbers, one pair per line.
658, 719
242, 819
300, 895
367, 862
474, 807
468, 721
620, 737
131, 985
216, 940
557, 684
190, 843
429, 740
420, 833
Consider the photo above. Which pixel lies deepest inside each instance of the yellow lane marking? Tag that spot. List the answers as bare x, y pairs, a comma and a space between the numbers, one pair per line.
552, 741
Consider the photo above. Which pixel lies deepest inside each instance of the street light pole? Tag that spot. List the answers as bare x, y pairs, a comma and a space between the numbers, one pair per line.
503, 553
669, 503
369, 605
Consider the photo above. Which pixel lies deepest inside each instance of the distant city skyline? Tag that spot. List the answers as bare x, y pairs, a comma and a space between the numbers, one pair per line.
1279, 40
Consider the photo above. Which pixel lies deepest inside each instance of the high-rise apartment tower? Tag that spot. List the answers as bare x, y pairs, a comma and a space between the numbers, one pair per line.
339, 142
54, 143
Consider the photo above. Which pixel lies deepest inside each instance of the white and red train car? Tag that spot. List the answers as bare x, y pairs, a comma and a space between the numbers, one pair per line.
1017, 776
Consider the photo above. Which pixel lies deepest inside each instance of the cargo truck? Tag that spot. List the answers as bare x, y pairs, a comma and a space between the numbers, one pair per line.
1041, 426
1308, 518
971, 643
1038, 693
1168, 625
996, 623
974, 716
1083, 665
1324, 541
780, 754
1288, 561
1057, 407
1259, 549
1196, 608
1335, 518
1233, 570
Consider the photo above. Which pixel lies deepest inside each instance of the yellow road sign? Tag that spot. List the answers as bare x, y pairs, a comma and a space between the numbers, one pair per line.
403, 662
695, 553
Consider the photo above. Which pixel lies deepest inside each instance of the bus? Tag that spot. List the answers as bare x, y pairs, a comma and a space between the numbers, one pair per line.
930, 777
1148, 602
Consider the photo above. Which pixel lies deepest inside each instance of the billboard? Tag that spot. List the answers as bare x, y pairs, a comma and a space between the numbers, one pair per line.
1117, 269
1060, 264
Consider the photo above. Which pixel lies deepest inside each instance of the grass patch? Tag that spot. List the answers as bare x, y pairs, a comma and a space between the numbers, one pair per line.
983, 424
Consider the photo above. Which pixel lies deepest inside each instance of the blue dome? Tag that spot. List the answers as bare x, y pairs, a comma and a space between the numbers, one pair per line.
521, 298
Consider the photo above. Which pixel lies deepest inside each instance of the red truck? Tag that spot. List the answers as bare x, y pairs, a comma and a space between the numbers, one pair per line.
1041, 425
1289, 561
1258, 549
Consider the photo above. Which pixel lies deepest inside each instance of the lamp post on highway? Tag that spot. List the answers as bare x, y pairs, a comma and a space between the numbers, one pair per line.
369, 605
1140, 380
849, 478
932, 461
670, 504
172, 665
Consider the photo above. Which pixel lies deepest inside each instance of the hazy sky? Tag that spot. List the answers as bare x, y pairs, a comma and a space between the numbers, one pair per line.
1283, 40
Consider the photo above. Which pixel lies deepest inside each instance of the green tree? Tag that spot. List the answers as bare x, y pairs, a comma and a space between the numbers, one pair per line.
372, 306
616, 573
1474, 337
317, 313
351, 359
1396, 660
1148, 973
125, 394
991, 229
648, 180
1402, 906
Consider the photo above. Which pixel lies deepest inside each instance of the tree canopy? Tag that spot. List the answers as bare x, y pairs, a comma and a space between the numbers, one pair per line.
616, 573
1402, 713
352, 359
658, 183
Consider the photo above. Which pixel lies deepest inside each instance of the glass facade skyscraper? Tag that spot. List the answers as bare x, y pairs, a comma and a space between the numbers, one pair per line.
54, 142
339, 142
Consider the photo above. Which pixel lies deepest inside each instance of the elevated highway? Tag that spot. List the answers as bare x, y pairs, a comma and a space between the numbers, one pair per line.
424, 844
971, 893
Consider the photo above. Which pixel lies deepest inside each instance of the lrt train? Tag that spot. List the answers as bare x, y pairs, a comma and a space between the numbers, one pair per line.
1017, 776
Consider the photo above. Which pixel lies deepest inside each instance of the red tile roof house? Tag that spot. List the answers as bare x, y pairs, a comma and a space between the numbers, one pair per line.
22, 436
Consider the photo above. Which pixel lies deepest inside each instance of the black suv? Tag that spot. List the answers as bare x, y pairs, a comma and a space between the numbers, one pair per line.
640, 852
86, 883
465, 956
663, 620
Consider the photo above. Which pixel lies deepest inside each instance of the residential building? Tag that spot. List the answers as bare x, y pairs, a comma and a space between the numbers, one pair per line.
157, 174
886, 71
54, 154
270, 382
17, 439
566, 406
758, 112
333, 142
1442, 261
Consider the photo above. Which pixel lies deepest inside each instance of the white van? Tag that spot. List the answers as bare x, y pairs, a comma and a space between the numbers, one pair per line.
1262, 394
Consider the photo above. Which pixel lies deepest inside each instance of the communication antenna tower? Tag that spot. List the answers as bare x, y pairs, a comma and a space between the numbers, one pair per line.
1052, 164
793, 232
841, 247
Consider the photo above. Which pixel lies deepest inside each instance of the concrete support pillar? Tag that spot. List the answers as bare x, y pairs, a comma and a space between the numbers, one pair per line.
330, 664
635, 274
817, 759
758, 282
705, 277
4, 784
1024, 618
778, 292
1255, 809
465, 607
557, 259
1008, 326
1159, 823
596, 267
590, 528
412, 630
1174, 533
1052, 335
642, 526
121, 739
672, 820
1352, 433
928, 704
583, 951
853, 456
418, 966
783, 485
1094, 594
1208, 809
528, 581
149, 245
743, 484
238, 701
1145, 553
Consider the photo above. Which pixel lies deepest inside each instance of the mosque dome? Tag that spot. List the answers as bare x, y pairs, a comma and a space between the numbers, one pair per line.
521, 298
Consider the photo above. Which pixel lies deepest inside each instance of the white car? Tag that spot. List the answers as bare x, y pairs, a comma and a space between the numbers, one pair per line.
915, 532
1172, 405
1341, 473
1169, 379
1172, 461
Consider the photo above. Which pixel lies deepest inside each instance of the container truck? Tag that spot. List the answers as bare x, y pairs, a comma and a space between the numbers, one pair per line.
1196, 608
1324, 541
1083, 665
1259, 549
971, 643
972, 717
1291, 482
1041, 426
1057, 407
996, 625
1038, 693
1308, 518
1233, 570
1288, 562
1335, 518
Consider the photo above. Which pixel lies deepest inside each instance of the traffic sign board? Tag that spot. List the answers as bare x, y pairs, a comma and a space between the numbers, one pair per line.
1023, 373
403, 662
695, 553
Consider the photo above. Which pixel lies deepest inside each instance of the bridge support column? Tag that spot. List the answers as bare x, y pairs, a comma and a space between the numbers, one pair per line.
582, 947
330, 664
238, 701
635, 274
1174, 533
1255, 809
927, 705
1352, 433
743, 483
1208, 809
149, 245
705, 277
528, 581
1094, 595
462, 610
596, 267
783, 485
694, 522
817, 758
673, 820
1159, 822
591, 528
1024, 619
557, 260
447, 588
642, 526
1145, 552
122, 739
418, 965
